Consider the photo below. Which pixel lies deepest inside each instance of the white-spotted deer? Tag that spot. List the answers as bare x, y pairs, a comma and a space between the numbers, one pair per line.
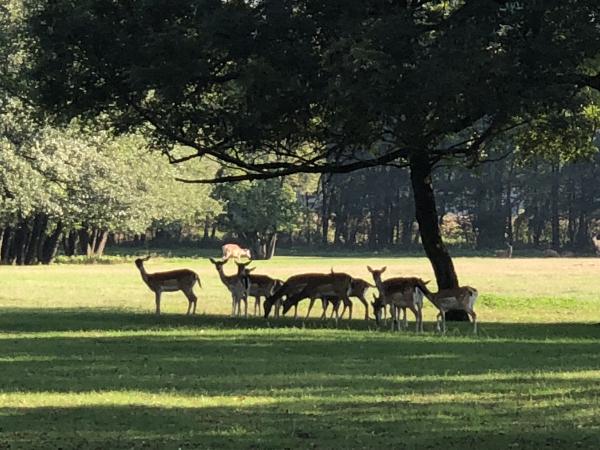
173, 280
319, 285
358, 289
461, 298
237, 285
235, 251
259, 285
399, 293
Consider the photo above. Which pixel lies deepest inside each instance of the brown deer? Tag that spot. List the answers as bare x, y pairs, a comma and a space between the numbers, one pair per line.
174, 280
235, 251
333, 284
259, 285
461, 298
399, 293
237, 285
408, 297
297, 283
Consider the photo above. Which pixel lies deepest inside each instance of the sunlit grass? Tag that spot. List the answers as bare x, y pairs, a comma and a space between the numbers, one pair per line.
85, 364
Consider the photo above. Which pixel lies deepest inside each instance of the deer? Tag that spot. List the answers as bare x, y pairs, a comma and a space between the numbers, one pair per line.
238, 285
461, 298
408, 297
292, 286
358, 289
402, 295
174, 280
505, 253
259, 285
235, 251
337, 285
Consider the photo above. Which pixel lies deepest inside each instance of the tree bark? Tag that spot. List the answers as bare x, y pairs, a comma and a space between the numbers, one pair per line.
271, 246
427, 218
50, 247
554, 214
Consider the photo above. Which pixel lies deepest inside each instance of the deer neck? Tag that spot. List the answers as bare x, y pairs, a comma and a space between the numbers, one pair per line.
143, 273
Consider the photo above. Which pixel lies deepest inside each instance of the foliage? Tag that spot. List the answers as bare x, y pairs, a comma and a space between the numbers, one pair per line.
258, 210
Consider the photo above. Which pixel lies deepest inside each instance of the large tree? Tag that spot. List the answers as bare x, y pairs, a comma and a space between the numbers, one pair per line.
275, 87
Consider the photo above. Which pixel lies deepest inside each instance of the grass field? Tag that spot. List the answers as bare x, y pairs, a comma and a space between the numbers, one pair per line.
85, 364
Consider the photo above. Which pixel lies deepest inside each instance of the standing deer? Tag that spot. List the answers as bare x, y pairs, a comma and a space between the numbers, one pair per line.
259, 285
461, 298
399, 293
237, 285
171, 281
235, 251
404, 298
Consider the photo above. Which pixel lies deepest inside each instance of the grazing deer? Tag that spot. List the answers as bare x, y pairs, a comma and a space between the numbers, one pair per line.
401, 300
296, 284
505, 253
333, 284
171, 281
235, 251
550, 253
237, 285
358, 289
259, 285
461, 298
291, 286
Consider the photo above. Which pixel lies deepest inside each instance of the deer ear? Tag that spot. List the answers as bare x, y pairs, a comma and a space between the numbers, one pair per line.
213, 261
426, 282
369, 268
383, 270
146, 258
250, 269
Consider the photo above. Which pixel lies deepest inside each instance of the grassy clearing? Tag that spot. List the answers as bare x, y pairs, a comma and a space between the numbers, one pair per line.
83, 364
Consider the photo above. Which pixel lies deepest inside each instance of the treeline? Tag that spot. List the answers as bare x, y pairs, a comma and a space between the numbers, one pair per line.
533, 204
69, 190
75, 190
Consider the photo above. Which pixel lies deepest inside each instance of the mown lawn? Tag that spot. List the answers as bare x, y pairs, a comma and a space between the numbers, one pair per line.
84, 364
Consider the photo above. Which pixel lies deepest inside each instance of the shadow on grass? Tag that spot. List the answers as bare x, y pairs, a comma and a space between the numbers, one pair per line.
71, 319
534, 385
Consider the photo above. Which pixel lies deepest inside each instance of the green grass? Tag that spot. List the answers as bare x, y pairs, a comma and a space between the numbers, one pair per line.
84, 364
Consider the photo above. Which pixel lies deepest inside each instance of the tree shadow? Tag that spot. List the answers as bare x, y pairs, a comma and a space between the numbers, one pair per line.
110, 379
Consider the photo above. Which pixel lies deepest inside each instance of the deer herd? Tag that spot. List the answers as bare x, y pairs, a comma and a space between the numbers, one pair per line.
333, 289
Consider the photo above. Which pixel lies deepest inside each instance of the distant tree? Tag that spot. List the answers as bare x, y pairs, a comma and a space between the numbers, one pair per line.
257, 211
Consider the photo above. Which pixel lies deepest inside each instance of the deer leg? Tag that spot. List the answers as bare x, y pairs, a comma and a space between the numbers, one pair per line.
245, 298
363, 300
444, 321
474, 317
157, 301
325, 304
257, 305
349, 308
310, 306
416, 313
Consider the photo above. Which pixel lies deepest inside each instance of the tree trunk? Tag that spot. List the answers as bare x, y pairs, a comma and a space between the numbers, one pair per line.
324, 213
271, 246
554, 214
50, 247
101, 242
427, 218
6, 245
38, 231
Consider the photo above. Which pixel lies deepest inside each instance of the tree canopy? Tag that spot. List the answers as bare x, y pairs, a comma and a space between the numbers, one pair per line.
274, 87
